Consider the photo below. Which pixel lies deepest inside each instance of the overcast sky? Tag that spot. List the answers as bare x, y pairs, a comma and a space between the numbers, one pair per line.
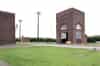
26, 10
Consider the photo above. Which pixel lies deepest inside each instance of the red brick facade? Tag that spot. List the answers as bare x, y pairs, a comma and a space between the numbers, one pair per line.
70, 26
7, 27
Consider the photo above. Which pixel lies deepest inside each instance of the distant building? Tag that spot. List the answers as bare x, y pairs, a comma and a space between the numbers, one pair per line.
70, 26
7, 27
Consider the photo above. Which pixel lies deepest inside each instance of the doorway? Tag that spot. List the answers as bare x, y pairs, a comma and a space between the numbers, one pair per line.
78, 37
64, 37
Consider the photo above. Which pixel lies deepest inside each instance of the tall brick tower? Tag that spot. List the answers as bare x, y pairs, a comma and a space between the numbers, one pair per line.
7, 28
70, 26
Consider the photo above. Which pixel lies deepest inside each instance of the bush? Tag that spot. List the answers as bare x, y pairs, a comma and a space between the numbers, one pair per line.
97, 38
91, 40
17, 39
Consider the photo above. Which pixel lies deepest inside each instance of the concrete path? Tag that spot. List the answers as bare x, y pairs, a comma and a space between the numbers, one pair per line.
68, 46
8, 46
3, 63
54, 44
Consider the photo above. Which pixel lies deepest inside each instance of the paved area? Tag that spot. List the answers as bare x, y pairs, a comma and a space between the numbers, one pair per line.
3, 63
68, 46
8, 46
52, 44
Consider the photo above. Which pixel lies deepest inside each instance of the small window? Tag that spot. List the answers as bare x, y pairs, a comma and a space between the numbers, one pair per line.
78, 27
63, 35
78, 35
64, 27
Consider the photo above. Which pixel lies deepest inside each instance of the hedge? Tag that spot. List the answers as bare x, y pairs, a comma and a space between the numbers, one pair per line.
42, 40
91, 40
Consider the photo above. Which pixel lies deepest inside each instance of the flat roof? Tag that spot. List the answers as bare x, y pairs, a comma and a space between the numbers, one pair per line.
6, 12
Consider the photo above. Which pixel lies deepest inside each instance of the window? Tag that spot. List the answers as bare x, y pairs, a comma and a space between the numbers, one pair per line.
78, 35
78, 27
63, 35
64, 27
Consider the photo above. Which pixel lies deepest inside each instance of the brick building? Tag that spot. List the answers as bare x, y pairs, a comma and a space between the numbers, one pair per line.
7, 27
70, 26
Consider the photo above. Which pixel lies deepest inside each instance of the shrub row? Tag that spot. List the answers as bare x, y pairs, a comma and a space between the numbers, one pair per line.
97, 38
93, 39
40, 40
17, 39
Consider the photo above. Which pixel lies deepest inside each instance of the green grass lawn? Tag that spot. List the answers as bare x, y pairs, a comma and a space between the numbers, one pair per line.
50, 56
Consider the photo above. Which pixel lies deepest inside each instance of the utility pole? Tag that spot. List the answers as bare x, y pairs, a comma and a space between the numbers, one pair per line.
38, 14
20, 36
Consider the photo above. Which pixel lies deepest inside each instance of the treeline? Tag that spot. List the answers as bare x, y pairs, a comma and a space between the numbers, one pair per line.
42, 40
39, 40
90, 39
